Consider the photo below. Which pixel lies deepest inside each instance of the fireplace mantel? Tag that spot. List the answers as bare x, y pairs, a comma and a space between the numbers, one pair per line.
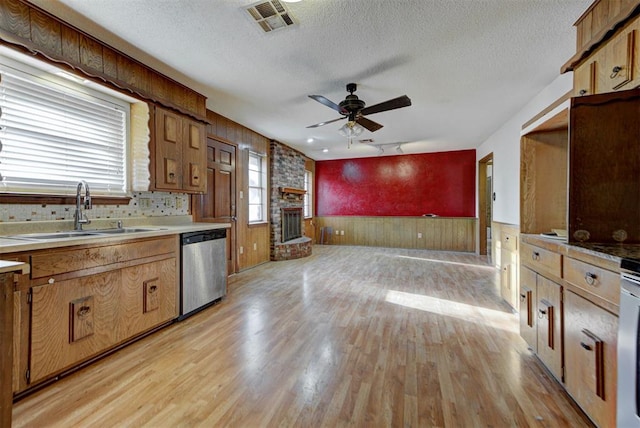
292, 190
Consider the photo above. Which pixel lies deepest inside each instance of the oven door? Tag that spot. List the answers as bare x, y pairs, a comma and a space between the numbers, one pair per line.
628, 407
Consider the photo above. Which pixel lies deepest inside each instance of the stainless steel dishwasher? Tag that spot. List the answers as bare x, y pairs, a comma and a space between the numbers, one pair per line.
204, 270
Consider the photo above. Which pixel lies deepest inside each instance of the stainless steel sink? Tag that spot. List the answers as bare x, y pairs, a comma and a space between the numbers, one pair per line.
54, 235
79, 233
124, 230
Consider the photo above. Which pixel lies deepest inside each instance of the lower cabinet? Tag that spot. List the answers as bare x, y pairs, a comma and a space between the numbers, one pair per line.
82, 301
79, 318
567, 305
541, 318
591, 358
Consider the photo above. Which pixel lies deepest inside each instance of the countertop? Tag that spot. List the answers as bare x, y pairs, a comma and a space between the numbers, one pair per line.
8, 267
610, 255
14, 245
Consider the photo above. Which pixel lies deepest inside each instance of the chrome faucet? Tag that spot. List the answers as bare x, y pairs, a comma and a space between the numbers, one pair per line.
79, 218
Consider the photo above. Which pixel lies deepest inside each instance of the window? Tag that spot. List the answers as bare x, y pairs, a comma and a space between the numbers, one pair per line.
257, 188
308, 184
55, 132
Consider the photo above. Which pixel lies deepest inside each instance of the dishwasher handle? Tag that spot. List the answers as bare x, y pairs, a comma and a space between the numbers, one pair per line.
203, 236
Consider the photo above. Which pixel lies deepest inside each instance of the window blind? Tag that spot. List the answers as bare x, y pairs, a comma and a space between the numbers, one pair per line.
54, 135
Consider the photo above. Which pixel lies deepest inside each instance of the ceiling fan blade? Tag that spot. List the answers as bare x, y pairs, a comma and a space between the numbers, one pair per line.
324, 123
403, 101
323, 100
369, 124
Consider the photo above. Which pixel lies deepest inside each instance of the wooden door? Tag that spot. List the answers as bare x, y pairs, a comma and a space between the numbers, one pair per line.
218, 204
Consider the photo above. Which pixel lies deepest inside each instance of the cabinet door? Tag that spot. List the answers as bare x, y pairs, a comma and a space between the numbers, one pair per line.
591, 358
549, 320
617, 72
194, 159
147, 298
528, 299
584, 79
169, 134
71, 321
604, 154
508, 279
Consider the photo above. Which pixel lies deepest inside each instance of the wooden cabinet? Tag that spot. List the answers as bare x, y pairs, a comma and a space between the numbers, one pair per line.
88, 299
509, 265
604, 199
541, 318
591, 358
612, 67
180, 153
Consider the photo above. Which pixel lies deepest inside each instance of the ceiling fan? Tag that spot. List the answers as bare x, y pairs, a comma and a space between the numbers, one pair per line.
353, 109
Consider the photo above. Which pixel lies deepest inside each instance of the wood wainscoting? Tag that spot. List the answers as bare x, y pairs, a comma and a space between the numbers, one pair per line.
430, 233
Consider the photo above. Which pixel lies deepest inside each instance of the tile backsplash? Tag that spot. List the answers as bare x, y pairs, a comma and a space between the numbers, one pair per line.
142, 204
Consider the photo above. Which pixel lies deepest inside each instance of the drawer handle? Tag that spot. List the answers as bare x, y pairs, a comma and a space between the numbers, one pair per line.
590, 278
535, 255
83, 311
614, 72
585, 346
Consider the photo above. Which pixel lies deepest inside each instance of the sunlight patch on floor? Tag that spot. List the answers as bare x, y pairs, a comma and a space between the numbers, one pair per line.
489, 317
449, 262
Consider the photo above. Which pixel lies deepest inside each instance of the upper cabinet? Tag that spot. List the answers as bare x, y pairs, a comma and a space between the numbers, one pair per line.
608, 49
179, 153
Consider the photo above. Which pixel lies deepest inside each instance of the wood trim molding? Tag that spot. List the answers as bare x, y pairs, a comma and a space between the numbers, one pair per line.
549, 108
27, 28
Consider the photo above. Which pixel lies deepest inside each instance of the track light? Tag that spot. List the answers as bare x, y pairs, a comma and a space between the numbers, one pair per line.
399, 148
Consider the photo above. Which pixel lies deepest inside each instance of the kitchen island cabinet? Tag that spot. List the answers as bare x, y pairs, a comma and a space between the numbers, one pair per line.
82, 301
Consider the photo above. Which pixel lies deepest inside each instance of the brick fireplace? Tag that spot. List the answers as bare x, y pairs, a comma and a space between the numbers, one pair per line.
287, 193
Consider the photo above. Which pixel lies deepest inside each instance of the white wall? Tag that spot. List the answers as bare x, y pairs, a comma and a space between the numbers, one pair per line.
505, 146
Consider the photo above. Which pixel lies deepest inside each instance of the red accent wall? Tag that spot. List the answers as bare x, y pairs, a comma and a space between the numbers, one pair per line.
406, 185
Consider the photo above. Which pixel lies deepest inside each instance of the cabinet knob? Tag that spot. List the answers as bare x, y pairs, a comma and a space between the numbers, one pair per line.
585, 346
84, 311
523, 297
614, 71
582, 92
51, 281
590, 278
535, 255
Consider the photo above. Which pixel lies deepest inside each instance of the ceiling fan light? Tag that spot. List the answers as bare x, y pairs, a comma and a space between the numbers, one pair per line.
350, 130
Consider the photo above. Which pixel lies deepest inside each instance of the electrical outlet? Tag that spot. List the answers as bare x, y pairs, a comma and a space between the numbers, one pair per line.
168, 201
419, 235
144, 203
241, 194
337, 232
241, 249
342, 232
255, 246
178, 203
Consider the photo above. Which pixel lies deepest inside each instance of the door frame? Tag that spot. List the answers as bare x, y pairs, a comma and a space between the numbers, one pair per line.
482, 203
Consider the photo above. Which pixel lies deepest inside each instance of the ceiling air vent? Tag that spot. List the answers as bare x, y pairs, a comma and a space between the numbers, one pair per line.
270, 15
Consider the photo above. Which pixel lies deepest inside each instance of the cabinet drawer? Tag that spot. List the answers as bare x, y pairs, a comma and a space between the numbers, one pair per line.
54, 263
509, 241
601, 282
541, 260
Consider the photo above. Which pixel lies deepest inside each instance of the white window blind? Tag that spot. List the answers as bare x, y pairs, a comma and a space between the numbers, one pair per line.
257, 188
53, 135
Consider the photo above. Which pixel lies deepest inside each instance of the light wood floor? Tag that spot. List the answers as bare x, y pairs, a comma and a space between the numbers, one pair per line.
349, 336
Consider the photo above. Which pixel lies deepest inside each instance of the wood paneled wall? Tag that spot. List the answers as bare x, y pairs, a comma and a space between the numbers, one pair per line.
254, 239
25, 27
310, 223
437, 233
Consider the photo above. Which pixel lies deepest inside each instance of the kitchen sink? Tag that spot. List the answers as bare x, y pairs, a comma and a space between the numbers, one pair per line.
123, 230
79, 233
54, 235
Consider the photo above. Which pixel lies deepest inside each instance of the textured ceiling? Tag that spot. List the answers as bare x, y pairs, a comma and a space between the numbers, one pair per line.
467, 65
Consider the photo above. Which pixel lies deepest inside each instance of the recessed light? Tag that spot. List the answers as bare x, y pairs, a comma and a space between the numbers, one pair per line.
309, 140
325, 150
